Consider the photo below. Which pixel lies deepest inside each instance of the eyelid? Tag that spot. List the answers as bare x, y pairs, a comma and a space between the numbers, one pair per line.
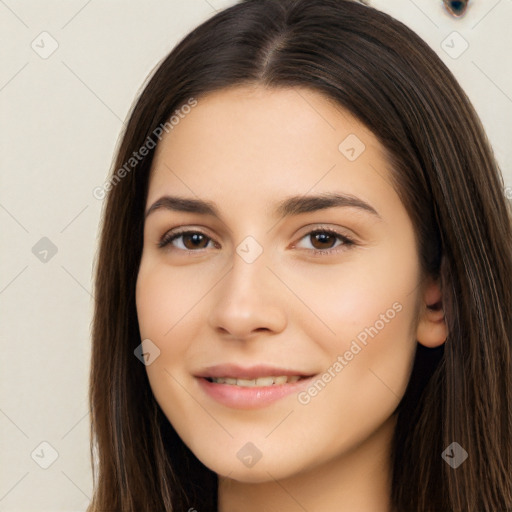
335, 229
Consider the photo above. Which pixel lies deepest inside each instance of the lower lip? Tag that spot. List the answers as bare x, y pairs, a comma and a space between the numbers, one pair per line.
238, 397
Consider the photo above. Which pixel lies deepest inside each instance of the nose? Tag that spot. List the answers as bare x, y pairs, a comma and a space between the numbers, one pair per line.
249, 300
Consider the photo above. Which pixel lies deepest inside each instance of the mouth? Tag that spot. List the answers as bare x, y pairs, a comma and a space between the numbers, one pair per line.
251, 388
258, 382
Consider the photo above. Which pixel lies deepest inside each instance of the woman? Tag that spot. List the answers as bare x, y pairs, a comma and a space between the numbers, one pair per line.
303, 289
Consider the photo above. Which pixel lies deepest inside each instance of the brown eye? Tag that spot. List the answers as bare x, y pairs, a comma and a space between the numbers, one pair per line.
325, 241
194, 240
191, 240
322, 239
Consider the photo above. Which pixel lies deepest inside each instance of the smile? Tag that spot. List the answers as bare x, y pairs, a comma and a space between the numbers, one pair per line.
254, 393
258, 382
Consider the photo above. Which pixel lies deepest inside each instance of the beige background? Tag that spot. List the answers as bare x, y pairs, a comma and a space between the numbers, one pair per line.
60, 118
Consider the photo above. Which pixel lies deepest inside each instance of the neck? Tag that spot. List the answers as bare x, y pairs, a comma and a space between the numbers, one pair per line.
356, 480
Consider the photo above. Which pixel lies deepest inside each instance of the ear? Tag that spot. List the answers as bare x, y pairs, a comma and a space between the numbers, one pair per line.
431, 331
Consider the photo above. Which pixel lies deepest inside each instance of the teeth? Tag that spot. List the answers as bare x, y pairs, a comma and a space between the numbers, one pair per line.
245, 382
259, 382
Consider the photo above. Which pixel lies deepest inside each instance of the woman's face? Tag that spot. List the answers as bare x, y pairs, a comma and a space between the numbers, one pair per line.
269, 280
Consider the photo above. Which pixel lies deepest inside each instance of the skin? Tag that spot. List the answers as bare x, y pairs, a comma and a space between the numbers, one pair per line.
295, 306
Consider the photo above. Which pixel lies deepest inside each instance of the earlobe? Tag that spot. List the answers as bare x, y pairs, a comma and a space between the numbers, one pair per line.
432, 330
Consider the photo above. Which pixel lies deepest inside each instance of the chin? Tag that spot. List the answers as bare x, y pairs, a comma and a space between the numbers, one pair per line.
262, 471
255, 476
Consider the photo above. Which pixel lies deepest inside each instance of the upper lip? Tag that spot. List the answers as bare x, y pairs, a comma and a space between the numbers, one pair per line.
253, 372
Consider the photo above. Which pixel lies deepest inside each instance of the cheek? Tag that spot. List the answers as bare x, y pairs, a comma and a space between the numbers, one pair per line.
164, 304
371, 307
368, 311
162, 307
162, 300
171, 309
369, 289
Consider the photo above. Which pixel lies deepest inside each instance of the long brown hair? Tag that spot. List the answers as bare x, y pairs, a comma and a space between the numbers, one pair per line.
446, 175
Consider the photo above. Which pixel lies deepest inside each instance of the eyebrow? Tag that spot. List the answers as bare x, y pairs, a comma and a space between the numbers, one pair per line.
294, 205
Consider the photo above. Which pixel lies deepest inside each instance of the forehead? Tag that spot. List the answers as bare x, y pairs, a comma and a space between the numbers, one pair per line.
249, 142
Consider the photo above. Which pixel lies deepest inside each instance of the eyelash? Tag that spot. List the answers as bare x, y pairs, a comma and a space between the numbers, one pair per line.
347, 242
